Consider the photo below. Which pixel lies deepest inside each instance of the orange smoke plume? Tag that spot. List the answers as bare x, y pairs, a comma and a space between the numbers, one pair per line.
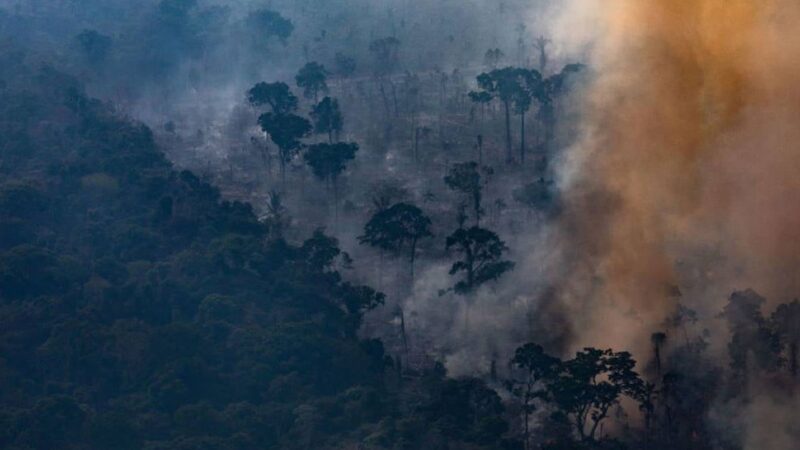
691, 142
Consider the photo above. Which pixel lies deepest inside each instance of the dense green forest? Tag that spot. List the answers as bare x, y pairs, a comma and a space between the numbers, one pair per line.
358, 225
142, 311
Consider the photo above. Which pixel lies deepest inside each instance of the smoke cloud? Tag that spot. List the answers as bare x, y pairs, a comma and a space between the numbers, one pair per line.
688, 152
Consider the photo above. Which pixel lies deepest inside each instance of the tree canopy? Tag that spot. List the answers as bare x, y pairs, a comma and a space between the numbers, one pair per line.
276, 95
328, 161
312, 78
267, 24
327, 118
481, 252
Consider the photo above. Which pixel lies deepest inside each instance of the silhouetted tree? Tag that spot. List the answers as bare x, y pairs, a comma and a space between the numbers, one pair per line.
327, 118
285, 130
328, 161
537, 367
786, 323
386, 193
358, 300
530, 89
541, 44
658, 339
646, 396
482, 99
481, 260
398, 226
312, 78
590, 384
277, 95
551, 89
466, 179
386, 52
465, 404
506, 85
751, 337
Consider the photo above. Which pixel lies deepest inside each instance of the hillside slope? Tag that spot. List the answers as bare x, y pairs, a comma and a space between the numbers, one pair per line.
140, 310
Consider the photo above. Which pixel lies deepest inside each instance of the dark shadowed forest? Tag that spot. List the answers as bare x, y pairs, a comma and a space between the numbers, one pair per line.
399, 224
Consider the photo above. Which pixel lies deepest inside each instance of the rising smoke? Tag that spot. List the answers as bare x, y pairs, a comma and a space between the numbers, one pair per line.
686, 154
684, 184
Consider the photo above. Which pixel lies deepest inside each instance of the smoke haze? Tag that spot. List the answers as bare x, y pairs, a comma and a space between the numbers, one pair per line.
672, 178
685, 150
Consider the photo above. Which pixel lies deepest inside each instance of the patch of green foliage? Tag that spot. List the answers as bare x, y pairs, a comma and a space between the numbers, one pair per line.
138, 309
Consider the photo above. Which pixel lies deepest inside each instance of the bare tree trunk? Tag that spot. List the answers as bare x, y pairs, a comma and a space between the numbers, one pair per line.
403, 335
266, 156
509, 157
335, 203
380, 270
413, 258
522, 138
394, 99
476, 199
416, 144
283, 171
480, 150
657, 351
525, 405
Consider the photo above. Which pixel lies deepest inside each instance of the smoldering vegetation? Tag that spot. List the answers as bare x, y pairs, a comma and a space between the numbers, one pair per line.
399, 224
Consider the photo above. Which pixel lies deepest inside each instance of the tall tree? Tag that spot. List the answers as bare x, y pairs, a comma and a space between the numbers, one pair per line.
536, 367
313, 79
658, 339
530, 89
482, 99
506, 85
584, 388
396, 227
466, 179
541, 44
590, 384
552, 88
327, 118
481, 260
752, 340
386, 52
276, 95
786, 323
280, 99
328, 161
285, 130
